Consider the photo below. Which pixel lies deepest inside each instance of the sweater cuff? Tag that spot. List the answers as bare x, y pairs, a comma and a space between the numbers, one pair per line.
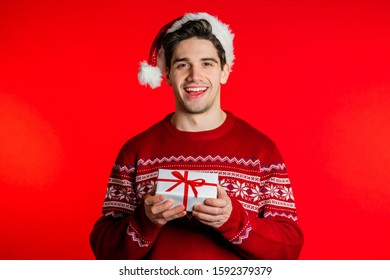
237, 227
141, 230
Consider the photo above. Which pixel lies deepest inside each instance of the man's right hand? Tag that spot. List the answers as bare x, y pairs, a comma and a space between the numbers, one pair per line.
161, 213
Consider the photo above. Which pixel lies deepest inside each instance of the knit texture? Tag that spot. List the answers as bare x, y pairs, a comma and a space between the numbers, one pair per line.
263, 222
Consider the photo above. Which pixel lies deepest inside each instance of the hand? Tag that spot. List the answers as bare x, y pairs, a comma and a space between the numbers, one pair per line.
160, 213
215, 211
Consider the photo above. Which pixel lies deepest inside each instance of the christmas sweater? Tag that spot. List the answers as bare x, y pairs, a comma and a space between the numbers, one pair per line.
262, 224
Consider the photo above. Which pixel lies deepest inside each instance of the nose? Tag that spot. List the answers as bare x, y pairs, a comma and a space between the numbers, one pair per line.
194, 74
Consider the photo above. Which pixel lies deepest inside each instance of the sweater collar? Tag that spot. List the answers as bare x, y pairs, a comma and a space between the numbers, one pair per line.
200, 135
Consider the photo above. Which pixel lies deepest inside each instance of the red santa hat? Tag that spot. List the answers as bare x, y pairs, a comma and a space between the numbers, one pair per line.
151, 72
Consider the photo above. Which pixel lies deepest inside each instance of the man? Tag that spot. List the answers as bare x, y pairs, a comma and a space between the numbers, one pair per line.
253, 216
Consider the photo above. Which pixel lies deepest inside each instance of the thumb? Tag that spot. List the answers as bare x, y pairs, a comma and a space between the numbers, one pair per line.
221, 192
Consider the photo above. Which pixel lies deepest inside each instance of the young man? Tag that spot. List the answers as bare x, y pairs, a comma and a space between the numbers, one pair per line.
253, 216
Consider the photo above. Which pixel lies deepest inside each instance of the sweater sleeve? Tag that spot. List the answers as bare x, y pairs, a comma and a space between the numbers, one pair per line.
272, 232
123, 231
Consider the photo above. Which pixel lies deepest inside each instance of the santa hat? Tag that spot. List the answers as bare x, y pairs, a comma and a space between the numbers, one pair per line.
151, 72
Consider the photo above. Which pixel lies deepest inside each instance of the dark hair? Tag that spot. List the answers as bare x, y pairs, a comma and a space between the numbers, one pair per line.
194, 28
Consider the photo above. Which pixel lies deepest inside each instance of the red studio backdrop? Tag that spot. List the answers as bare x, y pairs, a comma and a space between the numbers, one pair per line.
312, 75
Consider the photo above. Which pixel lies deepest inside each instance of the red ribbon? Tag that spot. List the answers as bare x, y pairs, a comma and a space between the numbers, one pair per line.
187, 183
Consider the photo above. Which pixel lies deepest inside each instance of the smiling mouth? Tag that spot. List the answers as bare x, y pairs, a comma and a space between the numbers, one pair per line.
195, 91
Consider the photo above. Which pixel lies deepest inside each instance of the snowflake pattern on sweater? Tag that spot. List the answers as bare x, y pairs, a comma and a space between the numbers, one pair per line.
267, 191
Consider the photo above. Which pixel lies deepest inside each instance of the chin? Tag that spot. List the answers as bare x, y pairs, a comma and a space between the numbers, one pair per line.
196, 110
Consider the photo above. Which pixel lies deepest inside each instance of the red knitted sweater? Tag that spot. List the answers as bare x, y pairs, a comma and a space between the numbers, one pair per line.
263, 222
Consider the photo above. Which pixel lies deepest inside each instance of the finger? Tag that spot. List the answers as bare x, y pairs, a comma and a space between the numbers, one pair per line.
174, 213
205, 217
216, 202
209, 210
221, 192
161, 207
153, 190
153, 199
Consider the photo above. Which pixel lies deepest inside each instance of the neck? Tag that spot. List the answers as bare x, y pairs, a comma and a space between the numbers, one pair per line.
198, 122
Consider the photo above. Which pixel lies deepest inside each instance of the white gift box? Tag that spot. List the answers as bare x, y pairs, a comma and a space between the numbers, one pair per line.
186, 187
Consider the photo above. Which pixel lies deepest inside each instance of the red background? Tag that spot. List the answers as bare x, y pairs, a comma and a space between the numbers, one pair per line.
314, 77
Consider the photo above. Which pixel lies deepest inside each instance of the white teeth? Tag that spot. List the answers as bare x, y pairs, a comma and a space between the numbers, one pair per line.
196, 89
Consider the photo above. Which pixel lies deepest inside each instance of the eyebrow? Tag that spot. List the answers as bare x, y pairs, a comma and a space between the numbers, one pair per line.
202, 59
180, 60
210, 59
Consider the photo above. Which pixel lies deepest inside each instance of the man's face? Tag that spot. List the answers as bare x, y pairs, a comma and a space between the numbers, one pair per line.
196, 76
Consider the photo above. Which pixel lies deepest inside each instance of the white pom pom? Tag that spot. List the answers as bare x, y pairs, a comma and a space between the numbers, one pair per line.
149, 75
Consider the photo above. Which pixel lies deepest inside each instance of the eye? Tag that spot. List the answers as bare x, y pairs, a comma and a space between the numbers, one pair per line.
182, 65
209, 63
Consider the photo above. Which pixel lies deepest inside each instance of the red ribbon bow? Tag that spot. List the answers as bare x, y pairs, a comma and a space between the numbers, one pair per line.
187, 183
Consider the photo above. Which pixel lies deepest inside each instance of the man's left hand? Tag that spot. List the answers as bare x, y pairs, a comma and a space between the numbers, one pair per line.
215, 211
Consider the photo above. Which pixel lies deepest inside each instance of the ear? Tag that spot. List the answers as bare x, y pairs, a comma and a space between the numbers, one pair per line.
225, 73
167, 77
